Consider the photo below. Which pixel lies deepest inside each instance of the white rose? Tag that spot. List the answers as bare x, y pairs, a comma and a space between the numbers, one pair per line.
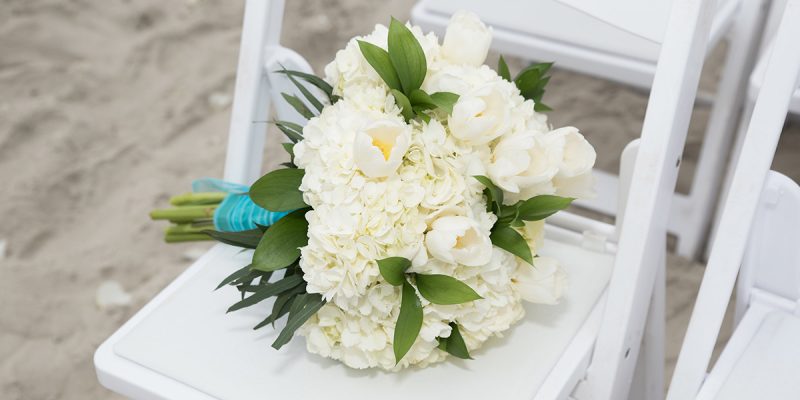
520, 161
457, 239
467, 39
542, 283
481, 115
380, 146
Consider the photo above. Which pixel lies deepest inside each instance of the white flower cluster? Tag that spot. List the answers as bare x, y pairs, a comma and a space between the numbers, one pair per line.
380, 187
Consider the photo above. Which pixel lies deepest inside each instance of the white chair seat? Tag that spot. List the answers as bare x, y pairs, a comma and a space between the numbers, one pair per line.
183, 345
761, 360
563, 33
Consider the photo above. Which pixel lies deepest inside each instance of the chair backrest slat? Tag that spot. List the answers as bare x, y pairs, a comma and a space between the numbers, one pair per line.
261, 28
643, 232
729, 245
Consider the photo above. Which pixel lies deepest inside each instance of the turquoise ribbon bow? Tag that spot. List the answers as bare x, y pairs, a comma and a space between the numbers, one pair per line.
237, 212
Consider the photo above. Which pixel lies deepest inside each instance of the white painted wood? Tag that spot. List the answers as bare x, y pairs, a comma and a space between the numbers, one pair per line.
697, 213
278, 57
771, 263
653, 182
647, 19
781, 79
761, 361
185, 335
626, 164
261, 28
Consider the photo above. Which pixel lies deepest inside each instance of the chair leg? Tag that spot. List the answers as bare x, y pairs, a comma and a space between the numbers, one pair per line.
744, 43
744, 121
648, 379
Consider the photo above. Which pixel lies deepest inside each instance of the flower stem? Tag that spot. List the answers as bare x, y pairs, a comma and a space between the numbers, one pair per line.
184, 214
185, 237
195, 199
189, 228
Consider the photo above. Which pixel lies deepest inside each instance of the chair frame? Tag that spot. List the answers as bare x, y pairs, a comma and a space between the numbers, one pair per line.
742, 19
619, 325
760, 143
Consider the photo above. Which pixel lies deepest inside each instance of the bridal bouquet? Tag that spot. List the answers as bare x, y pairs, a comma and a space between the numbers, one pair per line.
414, 201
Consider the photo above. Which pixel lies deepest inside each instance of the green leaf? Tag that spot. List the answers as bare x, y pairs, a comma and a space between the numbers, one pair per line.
234, 276
407, 56
248, 239
496, 192
298, 105
543, 206
312, 79
507, 215
541, 107
282, 305
531, 83
404, 104
278, 311
409, 322
279, 190
267, 291
289, 147
247, 279
281, 243
306, 93
303, 307
443, 289
454, 344
378, 58
292, 131
393, 269
419, 98
502, 69
445, 101
510, 240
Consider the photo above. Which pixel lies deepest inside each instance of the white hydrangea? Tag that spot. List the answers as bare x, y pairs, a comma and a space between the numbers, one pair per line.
380, 187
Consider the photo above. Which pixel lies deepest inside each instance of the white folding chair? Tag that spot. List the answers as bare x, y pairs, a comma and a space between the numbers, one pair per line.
182, 345
758, 231
754, 87
619, 40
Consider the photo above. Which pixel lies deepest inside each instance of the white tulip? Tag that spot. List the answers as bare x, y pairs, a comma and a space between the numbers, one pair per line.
481, 115
467, 39
579, 187
380, 146
577, 155
576, 160
457, 239
542, 283
520, 161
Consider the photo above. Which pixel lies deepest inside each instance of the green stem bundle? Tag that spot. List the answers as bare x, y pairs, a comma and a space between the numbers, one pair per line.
191, 215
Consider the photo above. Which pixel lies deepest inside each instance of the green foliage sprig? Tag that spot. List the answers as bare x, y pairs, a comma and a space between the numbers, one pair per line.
531, 82
437, 289
509, 217
403, 68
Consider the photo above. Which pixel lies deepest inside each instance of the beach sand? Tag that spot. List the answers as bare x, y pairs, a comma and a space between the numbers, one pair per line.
109, 107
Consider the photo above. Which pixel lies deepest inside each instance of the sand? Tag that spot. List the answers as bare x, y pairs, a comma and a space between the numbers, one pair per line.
108, 107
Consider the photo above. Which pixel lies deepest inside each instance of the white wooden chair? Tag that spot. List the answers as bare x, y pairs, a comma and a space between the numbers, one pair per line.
753, 88
619, 41
758, 231
182, 345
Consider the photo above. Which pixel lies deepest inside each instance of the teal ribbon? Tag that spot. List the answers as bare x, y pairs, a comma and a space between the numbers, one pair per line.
236, 212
